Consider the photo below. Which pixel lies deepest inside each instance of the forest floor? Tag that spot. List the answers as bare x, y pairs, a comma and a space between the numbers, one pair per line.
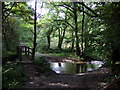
94, 80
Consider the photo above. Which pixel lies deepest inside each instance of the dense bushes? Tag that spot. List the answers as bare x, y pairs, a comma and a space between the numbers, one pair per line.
42, 64
9, 58
12, 75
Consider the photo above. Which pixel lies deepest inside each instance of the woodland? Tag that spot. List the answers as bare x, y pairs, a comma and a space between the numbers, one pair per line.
77, 32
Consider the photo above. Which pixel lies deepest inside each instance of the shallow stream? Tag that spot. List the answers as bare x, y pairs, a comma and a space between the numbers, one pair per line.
72, 68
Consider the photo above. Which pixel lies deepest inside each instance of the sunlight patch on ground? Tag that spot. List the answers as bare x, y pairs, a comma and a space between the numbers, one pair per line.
72, 61
102, 84
31, 82
81, 74
80, 62
58, 84
68, 60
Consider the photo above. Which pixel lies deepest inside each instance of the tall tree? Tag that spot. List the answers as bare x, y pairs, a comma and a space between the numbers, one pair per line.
35, 35
82, 44
73, 8
11, 12
48, 36
76, 28
61, 36
110, 17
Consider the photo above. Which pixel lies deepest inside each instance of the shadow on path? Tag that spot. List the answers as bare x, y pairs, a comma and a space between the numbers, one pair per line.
93, 80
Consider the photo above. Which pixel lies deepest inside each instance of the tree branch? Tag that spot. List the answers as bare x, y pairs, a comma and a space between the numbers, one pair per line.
66, 22
85, 12
32, 31
9, 12
69, 24
95, 14
69, 8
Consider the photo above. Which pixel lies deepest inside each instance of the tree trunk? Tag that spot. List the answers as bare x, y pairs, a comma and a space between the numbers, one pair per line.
61, 37
35, 35
115, 55
59, 42
48, 39
82, 44
48, 36
76, 30
5, 42
72, 48
115, 58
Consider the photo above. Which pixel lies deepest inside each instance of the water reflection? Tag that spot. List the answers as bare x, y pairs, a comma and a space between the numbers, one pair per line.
81, 67
72, 68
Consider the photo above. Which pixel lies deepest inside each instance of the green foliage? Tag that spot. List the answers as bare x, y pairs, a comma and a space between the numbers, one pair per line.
110, 78
15, 9
97, 41
13, 26
7, 53
54, 51
10, 34
108, 63
26, 33
112, 25
65, 54
12, 75
42, 64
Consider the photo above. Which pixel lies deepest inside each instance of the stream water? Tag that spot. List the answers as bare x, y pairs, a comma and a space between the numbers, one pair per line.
72, 68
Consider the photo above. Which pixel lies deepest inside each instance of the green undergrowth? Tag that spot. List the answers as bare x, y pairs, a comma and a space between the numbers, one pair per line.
71, 55
7, 53
110, 78
13, 75
42, 64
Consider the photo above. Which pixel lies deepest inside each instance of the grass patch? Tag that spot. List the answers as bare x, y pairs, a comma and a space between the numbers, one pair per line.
71, 55
42, 64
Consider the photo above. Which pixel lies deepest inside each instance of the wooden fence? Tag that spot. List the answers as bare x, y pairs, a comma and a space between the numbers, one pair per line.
24, 50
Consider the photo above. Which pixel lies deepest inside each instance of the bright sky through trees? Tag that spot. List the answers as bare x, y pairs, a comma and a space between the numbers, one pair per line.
39, 10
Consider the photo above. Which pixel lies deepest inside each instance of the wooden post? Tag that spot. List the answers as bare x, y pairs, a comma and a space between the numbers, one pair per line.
25, 50
28, 51
31, 51
20, 50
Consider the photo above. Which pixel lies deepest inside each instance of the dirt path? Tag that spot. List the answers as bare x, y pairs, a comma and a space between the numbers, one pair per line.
93, 80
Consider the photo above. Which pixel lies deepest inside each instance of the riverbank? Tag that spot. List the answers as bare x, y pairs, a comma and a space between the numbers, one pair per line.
93, 79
